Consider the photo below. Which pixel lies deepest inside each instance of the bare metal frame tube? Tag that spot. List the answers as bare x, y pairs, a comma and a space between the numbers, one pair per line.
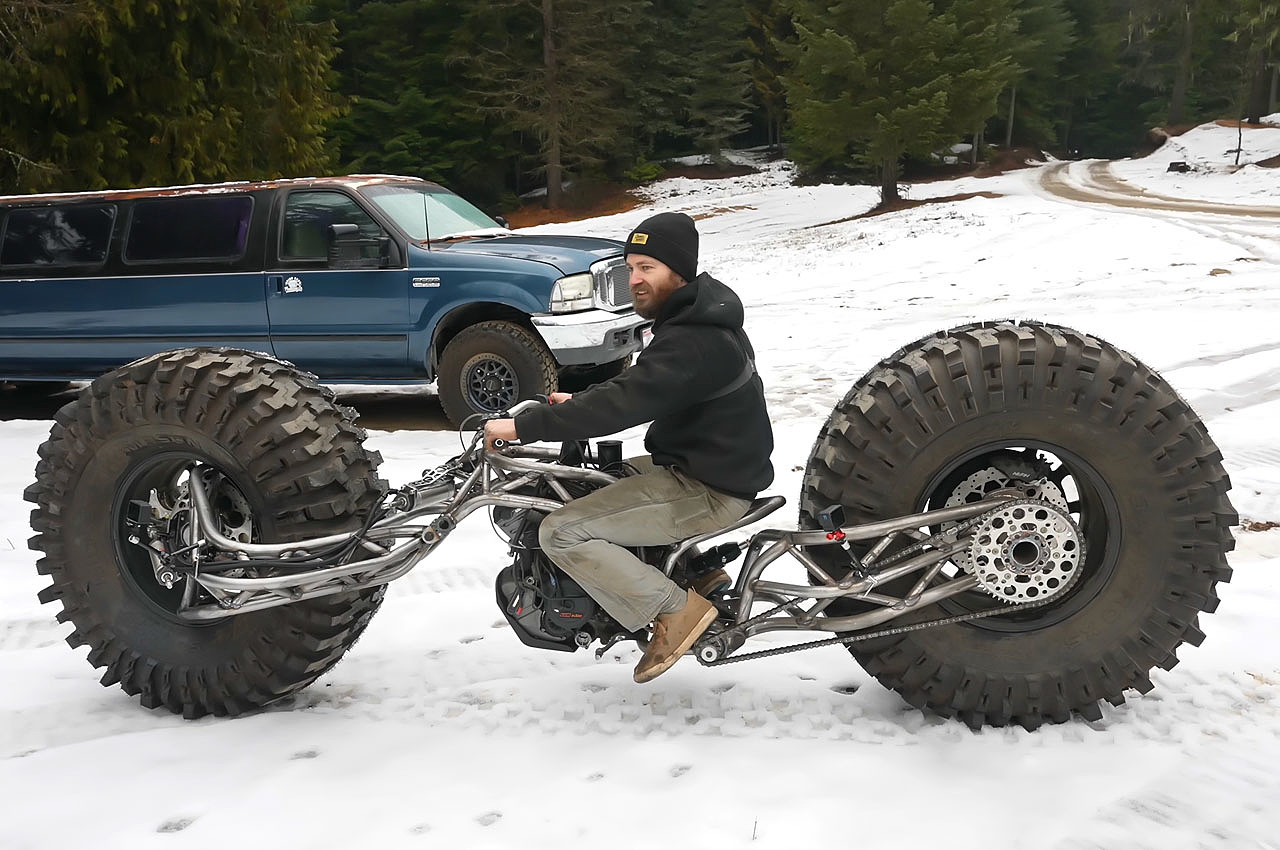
517, 466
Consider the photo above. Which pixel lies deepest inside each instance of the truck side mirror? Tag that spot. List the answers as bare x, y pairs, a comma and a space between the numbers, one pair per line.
343, 232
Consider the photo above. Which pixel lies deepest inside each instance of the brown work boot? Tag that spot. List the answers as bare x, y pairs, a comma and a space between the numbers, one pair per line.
673, 634
708, 583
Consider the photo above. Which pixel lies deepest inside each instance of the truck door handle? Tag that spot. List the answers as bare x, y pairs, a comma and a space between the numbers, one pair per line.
276, 280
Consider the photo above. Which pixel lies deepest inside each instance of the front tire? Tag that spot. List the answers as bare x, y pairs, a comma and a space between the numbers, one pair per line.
292, 466
490, 366
1144, 479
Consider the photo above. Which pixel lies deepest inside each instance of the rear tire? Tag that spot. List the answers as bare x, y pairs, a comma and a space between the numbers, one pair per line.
490, 366
289, 454
1150, 494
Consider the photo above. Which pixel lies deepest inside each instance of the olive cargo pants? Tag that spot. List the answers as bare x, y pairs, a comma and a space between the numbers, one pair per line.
659, 506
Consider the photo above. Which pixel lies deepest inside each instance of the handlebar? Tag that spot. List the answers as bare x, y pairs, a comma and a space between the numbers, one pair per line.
527, 404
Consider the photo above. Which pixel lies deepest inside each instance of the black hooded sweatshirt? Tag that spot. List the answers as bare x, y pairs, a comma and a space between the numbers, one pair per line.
698, 349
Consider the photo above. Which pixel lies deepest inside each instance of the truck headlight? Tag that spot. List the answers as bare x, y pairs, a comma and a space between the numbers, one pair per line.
575, 292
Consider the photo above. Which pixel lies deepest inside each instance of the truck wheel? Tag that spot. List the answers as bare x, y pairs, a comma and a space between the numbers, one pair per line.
290, 465
490, 366
1072, 420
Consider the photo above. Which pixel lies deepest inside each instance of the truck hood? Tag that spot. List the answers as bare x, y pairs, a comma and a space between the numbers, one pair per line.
569, 254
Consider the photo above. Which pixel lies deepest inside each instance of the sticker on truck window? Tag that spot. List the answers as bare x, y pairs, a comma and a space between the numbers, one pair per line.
426, 282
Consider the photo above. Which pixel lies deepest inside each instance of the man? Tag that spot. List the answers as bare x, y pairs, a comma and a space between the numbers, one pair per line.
709, 443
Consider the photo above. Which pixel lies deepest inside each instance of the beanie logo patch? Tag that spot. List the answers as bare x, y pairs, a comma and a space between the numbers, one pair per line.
639, 238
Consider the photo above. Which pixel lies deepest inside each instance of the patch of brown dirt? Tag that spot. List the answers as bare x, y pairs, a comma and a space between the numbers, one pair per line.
612, 198
1179, 129
1231, 122
616, 199
1004, 160
721, 211
906, 204
1255, 525
1270, 162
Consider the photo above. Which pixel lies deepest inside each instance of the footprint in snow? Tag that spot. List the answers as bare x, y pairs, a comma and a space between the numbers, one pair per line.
304, 754
680, 770
595, 777
489, 818
594, 688
470, 638
175, 824
847, 690
420, 829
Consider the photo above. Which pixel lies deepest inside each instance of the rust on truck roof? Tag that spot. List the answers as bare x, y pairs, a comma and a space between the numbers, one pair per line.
350, 181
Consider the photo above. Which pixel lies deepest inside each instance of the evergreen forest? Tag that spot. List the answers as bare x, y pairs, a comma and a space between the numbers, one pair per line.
495, 98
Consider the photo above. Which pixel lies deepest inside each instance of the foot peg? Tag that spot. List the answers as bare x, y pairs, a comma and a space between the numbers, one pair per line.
640, 637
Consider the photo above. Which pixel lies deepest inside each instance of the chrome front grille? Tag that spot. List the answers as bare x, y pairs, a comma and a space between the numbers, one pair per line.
611, 284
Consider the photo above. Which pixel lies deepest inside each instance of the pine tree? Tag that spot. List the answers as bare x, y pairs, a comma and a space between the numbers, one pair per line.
410, 108
769, 30
555, 69
720, 81
1045, 33
1258, 31
874, 80
981, 62
132, 92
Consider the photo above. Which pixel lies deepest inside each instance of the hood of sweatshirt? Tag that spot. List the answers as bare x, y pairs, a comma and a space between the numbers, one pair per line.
702, 301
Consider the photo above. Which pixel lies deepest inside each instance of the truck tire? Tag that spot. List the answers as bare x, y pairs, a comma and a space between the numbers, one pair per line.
945, 418
490, 366
293, 466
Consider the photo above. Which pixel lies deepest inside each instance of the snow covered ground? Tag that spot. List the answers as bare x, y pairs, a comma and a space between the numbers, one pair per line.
440, 730
1210, 150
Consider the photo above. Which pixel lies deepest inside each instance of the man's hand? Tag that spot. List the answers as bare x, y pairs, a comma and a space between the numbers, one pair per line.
499, 429
557, 398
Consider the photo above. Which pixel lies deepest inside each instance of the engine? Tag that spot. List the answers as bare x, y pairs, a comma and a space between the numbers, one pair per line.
546, 608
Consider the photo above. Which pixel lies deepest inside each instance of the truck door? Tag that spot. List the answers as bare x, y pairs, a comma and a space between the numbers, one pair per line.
337, 289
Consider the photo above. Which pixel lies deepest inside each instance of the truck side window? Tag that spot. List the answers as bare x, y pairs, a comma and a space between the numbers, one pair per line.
57, 236
197, 227
307, 235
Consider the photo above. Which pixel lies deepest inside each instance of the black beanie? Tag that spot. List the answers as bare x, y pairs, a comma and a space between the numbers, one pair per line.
670, 238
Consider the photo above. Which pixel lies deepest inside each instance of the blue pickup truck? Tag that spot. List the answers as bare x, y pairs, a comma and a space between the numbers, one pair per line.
358, 279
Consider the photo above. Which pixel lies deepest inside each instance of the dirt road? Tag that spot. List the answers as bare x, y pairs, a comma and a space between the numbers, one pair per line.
1097, 185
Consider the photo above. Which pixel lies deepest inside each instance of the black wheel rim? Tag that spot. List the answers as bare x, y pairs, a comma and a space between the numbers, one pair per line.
490, 383
1092, 505
160, 473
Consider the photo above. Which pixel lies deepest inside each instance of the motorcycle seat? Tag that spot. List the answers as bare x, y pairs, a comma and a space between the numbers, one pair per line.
759, 509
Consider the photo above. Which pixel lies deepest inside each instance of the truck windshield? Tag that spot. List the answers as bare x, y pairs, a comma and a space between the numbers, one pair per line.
429, 212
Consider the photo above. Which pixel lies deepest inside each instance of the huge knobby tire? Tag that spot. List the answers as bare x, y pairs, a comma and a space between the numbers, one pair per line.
1151, 501
490, 366
295, 458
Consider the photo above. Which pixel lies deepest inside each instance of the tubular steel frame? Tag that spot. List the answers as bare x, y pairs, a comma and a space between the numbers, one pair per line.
426, 511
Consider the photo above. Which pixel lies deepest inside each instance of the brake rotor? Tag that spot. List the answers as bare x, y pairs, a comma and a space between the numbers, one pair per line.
986, 481
1026, 551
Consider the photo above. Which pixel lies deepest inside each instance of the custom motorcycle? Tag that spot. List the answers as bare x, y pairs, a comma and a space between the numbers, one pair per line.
1005, 522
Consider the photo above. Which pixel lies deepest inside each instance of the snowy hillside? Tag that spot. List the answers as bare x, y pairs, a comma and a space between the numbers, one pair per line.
441, 730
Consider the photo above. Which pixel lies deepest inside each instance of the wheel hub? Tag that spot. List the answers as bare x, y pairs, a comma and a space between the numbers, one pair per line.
1026, 551
490, 384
